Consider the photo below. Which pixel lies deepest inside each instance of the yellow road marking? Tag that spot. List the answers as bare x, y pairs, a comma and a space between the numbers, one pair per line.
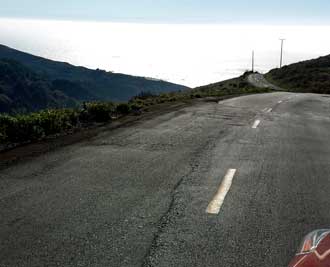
255, 124
217, 201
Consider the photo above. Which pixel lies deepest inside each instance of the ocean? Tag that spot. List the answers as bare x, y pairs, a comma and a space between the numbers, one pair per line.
189, 54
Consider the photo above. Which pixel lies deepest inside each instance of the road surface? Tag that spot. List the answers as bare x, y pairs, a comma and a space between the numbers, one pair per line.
235, 183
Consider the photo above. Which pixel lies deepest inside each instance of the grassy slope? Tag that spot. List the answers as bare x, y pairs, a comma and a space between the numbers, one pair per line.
233, 86
307, 76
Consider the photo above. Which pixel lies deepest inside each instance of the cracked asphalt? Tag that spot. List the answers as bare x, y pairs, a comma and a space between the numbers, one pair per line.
137, 195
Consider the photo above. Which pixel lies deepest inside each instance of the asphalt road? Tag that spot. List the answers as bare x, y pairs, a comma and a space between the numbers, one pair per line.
137, 196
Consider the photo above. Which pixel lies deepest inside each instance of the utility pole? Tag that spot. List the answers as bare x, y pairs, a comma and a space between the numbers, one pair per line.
281, 61
253, 61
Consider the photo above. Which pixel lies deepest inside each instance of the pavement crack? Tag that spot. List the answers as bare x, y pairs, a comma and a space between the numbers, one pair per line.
176, 207
164, 221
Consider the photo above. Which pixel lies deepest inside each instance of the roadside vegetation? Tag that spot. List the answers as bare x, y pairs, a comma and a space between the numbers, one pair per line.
311, 76
22, 128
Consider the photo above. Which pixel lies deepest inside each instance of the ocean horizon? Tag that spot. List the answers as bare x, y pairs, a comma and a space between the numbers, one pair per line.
188, 54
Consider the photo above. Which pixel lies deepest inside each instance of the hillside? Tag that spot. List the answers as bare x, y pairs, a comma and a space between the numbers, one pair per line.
98, 84
239, 85
22, 90
307, 76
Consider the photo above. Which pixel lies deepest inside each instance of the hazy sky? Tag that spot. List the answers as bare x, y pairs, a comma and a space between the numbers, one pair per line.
175, 11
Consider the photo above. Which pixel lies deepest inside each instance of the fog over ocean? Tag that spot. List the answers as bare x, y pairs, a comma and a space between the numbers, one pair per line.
188, 54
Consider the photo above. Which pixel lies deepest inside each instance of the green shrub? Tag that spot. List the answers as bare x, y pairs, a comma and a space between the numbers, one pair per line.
5, 120
20, 128
29, 127
123, 109
136, 107
56, 121
26, 128
99, 112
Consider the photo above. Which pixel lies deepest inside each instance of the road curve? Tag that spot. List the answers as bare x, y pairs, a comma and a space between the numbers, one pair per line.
231, 184
258, 80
